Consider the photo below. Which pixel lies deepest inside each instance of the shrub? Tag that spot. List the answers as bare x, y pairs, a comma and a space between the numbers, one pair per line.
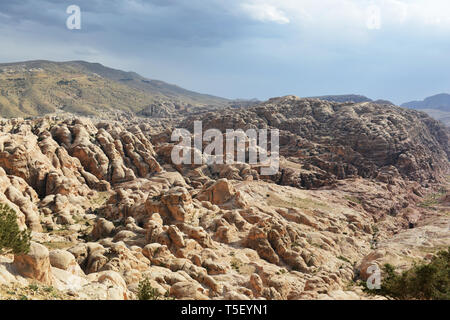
12, 239
147, 292
425, 281
33, 287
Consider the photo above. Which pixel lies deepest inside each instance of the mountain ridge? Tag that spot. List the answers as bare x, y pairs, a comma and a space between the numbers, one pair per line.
437, 106
439, 101
37, 87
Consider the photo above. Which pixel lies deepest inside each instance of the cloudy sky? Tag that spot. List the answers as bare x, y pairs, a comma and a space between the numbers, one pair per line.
392, 49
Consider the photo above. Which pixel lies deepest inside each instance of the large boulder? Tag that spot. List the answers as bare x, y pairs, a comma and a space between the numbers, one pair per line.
176, 204
35, 264
188, 290
219, 193
65, 260
374, 258
102, 229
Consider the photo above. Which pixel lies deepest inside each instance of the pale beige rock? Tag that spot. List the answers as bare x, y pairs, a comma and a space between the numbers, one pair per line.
35, 265
219, 193
188, 290
61, 259
370, 260
225, 231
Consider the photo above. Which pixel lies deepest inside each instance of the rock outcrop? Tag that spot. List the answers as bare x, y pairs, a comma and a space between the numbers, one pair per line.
35, 264
329, 140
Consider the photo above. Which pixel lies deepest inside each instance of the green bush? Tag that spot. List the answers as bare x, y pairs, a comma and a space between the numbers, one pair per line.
147, 292
424, 281
11, 238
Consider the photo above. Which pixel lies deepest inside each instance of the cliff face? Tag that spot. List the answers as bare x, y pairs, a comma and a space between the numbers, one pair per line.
108, 208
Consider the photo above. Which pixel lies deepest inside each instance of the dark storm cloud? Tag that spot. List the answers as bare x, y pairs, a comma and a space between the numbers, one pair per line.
185, 22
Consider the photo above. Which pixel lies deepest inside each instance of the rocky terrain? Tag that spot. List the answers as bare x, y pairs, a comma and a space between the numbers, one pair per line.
437, 106
359, 183
351, 98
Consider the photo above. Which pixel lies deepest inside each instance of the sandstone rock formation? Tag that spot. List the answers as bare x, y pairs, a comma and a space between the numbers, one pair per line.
359, 184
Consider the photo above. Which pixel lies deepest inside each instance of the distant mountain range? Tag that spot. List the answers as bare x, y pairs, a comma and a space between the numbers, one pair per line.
437, 106
34, 88
38, 87
436, 102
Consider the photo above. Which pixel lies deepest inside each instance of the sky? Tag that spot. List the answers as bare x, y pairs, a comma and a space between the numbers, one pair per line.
385, 49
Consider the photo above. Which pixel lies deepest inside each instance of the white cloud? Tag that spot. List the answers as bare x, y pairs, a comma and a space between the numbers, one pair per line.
335, 13
373, 18
265, 12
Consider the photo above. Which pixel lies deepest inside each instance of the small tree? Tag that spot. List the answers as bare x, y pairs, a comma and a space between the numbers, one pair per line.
147, 292
12, 239
425, 281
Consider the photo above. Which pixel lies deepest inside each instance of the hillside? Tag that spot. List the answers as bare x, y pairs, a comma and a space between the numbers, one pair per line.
443, 116
342, 140
436, 107
38, 87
